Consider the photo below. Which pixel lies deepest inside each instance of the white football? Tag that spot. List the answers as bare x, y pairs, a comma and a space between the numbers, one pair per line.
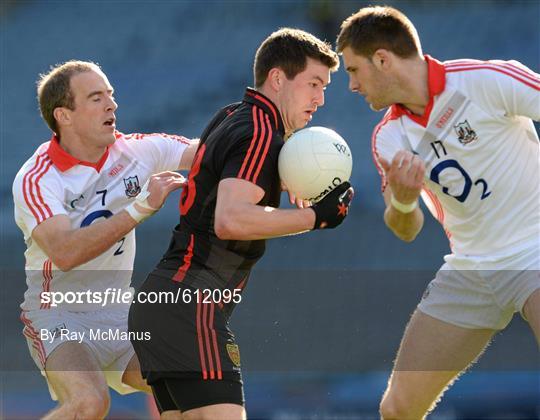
314, 161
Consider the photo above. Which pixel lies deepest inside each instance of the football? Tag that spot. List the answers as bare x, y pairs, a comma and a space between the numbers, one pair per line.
313, 161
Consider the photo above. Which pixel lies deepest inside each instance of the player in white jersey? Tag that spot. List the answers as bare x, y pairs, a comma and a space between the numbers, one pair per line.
459, 133
77, 201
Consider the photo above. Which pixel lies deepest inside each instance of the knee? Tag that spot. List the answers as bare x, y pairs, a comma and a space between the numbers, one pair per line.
395, 407
135, 380
92, 405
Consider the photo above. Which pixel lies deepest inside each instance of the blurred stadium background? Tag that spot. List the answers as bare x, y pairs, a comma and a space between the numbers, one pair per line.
323, 314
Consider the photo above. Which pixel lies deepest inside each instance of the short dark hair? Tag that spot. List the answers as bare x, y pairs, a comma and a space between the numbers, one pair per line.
375, 27
289, 49
53, 88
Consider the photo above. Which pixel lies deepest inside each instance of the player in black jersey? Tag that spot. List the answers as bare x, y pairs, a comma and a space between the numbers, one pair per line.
228, 209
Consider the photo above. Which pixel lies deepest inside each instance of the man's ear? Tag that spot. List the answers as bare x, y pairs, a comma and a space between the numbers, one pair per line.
382, 59
276, 78
62, 116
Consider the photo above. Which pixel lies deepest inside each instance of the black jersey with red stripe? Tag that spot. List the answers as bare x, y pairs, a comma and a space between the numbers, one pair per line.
242, 141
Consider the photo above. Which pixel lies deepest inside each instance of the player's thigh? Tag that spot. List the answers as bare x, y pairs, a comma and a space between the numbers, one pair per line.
430, 344
74, 373
531, 310
168, 410
200, 398
216, 412
132, 376
171, 415
431, 354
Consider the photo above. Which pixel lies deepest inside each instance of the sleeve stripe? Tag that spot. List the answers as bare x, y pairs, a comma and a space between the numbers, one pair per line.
534, 84
436, 205
253, 142
255, 132
30, 206
374, 152
266, 147
141, 136
180, 139
47, 208
260, 142
31, 187
522, 71
533, 77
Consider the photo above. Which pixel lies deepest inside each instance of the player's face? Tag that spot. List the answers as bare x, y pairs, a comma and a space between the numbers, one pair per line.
93, 118
366, 80
300, 97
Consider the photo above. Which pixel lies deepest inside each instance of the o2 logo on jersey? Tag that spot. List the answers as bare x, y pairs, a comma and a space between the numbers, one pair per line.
452, 164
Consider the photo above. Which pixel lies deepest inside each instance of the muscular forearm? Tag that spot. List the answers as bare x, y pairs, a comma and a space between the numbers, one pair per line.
405, 176
68, 246
404, 225
76, 247
249, 222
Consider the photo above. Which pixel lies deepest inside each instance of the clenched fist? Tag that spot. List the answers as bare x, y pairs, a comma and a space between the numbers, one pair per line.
405, 176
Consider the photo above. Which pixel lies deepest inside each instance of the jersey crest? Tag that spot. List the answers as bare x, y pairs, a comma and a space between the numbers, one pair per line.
465, 132
133, 187
234, 354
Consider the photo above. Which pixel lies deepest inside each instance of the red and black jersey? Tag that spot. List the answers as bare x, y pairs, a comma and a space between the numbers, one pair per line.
242, 141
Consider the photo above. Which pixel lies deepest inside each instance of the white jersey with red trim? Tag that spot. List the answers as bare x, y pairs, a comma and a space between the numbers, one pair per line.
52, 182
481, 152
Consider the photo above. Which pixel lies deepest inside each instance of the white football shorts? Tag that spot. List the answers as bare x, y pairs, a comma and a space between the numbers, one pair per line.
103, 331
482, 292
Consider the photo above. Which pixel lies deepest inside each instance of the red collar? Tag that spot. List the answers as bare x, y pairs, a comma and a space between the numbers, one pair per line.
436, 84
64, 161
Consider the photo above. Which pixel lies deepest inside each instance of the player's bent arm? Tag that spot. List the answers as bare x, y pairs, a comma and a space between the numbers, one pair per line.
238, 217
69, 248
405, 226
189, 154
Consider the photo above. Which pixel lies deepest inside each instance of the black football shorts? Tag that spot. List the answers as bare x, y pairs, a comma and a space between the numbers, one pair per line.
177, 334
